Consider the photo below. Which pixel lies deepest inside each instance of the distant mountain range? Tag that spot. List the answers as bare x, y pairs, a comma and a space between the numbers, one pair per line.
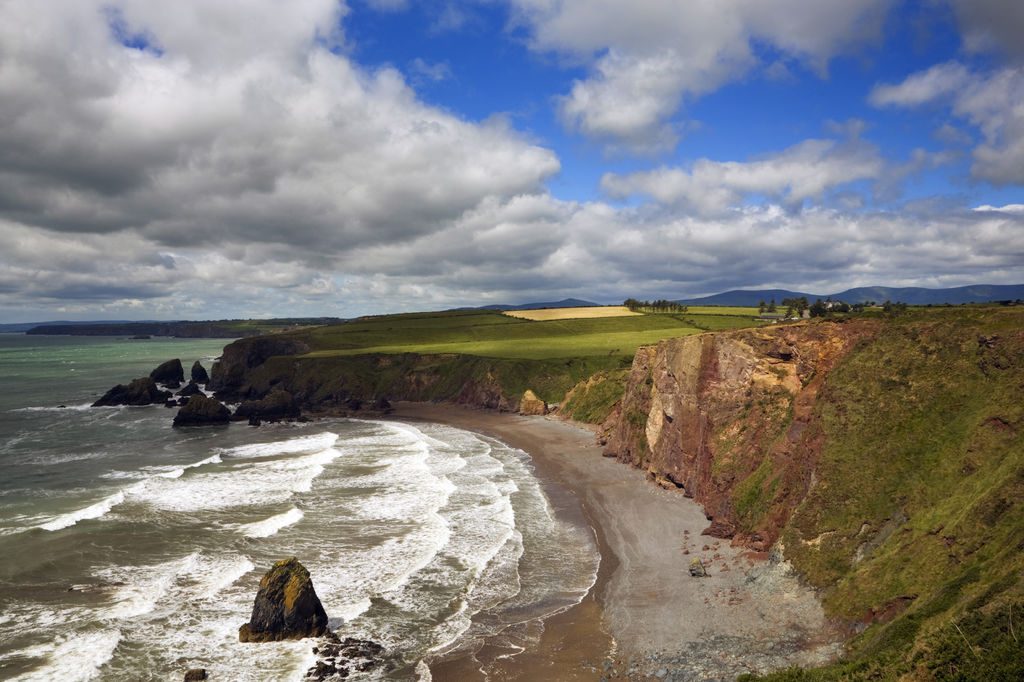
978, 293
564, 303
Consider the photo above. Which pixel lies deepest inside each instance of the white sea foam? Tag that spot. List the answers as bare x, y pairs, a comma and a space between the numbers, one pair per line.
75, 657
144, 586
315, 443
93, 511
350, 612
124, 475
244, 484
423, 672
270, 526
177, 472
141, 589
98, 509
213, 576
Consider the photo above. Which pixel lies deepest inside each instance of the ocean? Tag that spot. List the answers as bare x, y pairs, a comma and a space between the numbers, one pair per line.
131, 550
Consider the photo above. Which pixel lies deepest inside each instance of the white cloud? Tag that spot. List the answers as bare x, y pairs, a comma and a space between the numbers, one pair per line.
993, 102
285, 142
1008, 208
804, 171
629, 98
939, 81
649, 55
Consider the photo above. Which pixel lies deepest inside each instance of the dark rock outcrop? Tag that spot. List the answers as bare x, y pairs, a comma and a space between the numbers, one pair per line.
168, 373
142, 391
339, 657
196, 675
199, 375
202, 411
279, 404
286, 606
190, 389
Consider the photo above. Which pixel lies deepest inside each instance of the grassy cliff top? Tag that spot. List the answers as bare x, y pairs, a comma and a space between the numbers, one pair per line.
493, 334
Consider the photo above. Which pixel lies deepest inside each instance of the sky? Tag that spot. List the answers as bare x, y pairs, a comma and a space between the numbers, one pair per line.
253, 158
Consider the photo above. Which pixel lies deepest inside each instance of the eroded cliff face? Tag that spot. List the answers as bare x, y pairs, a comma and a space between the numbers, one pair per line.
251, 369
729, 418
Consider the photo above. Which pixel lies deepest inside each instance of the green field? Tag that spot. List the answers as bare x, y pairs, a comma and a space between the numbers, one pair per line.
724, 310
494, 335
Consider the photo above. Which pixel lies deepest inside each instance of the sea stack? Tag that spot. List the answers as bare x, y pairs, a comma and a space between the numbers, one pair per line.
202, 411
169, 373
286, 606
199, 375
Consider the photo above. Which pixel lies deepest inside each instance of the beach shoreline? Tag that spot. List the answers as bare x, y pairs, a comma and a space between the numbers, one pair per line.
645, 616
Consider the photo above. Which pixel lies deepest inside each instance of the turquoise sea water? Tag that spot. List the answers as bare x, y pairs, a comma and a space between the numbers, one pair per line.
131, 550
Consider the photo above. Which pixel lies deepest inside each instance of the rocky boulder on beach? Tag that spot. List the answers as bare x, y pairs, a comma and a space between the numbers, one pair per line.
202, 411
199, 375
142, 391
286, 606
531, 404
169, 373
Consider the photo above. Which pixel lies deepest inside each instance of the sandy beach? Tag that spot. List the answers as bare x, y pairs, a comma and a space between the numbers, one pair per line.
646, 617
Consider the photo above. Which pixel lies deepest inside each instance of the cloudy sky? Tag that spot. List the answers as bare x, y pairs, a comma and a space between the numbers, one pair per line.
244, 158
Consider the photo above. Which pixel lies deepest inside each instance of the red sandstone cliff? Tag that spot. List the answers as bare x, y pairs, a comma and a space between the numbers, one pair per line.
729, 418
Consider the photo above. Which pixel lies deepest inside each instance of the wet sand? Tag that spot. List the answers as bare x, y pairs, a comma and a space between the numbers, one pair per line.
646, 616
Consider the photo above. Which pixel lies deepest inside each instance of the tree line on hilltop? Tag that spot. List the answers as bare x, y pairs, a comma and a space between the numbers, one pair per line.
660, 306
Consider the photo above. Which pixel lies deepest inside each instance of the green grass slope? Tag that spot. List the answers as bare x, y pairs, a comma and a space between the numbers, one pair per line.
915, 528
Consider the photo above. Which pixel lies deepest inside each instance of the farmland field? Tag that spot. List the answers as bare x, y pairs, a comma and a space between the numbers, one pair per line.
545, 314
